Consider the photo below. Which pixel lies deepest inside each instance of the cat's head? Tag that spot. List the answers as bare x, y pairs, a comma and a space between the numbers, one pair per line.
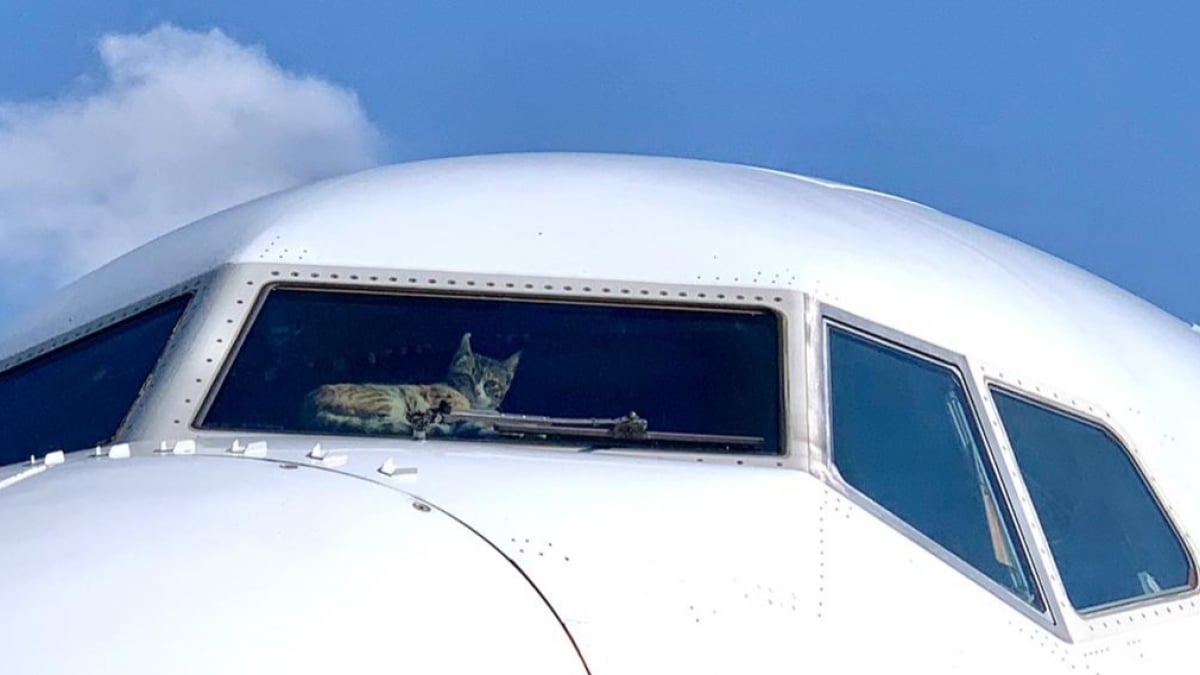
480, 378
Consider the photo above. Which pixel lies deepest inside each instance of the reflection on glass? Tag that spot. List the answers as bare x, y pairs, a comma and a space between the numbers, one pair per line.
78, 396
903, 435
1109, 537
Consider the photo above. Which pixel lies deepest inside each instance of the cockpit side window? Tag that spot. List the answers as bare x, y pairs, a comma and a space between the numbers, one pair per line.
78, 396
1109, 536
576, 373
904, 435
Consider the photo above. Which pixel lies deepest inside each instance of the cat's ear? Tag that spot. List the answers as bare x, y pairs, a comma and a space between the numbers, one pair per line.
510, 364
464, 347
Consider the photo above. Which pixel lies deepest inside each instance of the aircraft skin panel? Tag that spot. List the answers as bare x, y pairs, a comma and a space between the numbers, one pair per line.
576, 217
684, 563
1145, 395
689, 567
772, 562
392, 554
569, 220
914, 611
243, 566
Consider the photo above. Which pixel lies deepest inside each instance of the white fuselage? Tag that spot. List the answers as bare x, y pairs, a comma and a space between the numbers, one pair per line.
176, 547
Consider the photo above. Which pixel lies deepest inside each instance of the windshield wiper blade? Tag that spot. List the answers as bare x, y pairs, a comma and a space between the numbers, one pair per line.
630, 427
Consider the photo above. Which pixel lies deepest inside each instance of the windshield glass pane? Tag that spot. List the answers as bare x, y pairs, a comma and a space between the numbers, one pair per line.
79, 395
904, 435
1108, 535
360, 363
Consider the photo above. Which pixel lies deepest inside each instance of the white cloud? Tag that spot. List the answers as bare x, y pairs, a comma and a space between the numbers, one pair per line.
183, 123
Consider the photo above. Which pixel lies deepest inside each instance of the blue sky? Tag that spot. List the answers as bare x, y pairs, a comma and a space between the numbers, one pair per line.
1073, 126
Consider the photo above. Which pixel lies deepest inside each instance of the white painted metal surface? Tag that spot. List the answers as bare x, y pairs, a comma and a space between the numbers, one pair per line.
653, 564
184, 564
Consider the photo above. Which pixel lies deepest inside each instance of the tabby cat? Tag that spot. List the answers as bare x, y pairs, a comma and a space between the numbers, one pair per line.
473, 382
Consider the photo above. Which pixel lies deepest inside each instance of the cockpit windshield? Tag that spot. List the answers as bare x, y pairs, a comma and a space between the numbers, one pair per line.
577, 373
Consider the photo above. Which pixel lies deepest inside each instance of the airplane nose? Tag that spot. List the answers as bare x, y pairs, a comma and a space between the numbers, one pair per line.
213, 565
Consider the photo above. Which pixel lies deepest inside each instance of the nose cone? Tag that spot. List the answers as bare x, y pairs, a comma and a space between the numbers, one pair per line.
210, 565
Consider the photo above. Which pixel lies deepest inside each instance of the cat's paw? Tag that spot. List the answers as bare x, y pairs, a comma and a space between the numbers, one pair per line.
473, 429
440, 429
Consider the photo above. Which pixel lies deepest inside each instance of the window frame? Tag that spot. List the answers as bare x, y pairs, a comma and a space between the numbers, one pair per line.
1056, 405
1010, 497
190, 292
787, 447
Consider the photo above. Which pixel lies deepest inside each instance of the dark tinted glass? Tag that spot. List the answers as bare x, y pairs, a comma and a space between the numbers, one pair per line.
78, 396
1108, 535
701, 372
904, 435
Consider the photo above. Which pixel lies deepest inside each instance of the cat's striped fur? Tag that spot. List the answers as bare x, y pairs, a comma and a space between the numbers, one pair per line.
474, 382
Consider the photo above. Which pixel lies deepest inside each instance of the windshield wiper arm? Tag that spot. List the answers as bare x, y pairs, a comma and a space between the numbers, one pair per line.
629, 427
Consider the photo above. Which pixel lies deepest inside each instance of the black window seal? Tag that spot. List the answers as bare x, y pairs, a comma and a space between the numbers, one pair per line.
781, 325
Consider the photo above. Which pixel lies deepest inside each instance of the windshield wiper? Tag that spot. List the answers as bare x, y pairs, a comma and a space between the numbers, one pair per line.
631, 427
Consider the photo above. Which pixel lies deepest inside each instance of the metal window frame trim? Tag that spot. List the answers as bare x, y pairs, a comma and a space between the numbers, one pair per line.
193, 287
1052, 619
260, 278
1123, 441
